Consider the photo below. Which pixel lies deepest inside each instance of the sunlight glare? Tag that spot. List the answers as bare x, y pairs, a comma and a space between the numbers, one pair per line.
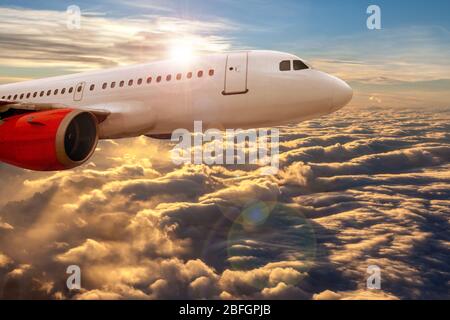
182, 51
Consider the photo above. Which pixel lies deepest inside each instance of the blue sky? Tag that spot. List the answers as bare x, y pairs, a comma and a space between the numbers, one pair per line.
316, 16
412, 48
271, 23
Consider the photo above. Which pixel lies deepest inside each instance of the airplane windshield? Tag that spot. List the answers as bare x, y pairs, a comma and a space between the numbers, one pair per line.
288, 65
300, 65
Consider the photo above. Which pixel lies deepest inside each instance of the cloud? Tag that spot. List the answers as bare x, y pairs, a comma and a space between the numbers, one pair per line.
355, 295
4, 260
418, 55
401, 67
268, 282
40, 39
91, 250
360, 187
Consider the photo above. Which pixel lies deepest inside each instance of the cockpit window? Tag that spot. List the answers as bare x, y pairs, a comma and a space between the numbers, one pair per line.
300, 65
285, 65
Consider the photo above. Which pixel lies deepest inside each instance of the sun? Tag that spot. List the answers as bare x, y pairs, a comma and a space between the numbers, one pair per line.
182, 50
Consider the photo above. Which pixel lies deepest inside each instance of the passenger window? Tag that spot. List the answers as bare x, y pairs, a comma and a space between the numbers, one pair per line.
21, 96
158, 79
122, 83
211, 72
15, 97
42, 94
71, 90
200, 74
49, 92
189, 75
63, 91
113, 85
9, 97
130, 83
3, 98
56, 92
139, 82
285, 65
300, 65
169, 77
79, 89
104, 86
92, 87
149, 80
179, 76
28, 95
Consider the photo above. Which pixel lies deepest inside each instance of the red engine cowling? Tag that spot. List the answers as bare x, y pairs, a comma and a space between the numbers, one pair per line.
48, 140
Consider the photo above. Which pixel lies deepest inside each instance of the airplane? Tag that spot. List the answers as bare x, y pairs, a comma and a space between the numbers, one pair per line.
55, 123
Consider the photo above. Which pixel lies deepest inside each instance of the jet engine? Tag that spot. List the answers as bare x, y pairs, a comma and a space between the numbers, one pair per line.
48, 140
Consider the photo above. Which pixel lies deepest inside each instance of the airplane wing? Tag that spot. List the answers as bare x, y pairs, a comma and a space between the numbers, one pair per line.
8, 106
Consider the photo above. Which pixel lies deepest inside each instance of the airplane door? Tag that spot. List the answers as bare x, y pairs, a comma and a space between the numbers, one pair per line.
236, 73
78, 94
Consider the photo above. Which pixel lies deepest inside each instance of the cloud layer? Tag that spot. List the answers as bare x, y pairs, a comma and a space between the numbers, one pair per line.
361, 187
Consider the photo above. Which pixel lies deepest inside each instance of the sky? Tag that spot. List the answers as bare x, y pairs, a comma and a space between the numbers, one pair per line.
404, 63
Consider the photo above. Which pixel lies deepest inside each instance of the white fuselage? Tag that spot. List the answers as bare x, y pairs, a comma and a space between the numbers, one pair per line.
236, 90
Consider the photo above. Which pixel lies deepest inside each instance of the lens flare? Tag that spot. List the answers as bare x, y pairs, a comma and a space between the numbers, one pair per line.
254, 239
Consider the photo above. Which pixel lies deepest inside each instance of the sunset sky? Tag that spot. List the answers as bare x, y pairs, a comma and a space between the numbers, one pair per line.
405, 63
368, 185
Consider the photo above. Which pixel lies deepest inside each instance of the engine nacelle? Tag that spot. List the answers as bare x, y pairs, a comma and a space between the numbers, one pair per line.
48, 140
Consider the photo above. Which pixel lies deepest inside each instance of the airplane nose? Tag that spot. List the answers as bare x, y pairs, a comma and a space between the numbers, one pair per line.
342, 94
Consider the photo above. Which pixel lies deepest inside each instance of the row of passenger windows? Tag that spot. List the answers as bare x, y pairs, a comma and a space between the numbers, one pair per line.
149, 80
41, 94
288, 65
112, 85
